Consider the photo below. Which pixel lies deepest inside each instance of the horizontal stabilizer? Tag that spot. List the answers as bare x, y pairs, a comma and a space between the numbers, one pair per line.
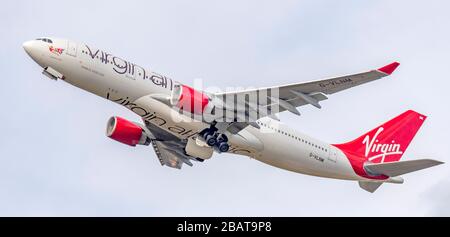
393, 169
369, 186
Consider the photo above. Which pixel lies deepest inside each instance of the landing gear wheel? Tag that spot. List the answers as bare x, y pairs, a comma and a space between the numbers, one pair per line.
223, 147
215, 139
222, 138
210, 140
206, 134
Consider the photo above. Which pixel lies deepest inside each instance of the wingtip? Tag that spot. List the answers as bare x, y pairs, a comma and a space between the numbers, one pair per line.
438, 162
390, 68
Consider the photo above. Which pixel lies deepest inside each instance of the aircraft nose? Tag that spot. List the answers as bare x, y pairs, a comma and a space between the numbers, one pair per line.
32, 49
27, 46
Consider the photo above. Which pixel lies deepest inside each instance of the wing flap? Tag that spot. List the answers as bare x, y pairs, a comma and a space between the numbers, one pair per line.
165, 157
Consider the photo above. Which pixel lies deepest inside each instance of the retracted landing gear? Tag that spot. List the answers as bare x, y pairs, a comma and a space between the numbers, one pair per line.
215, 139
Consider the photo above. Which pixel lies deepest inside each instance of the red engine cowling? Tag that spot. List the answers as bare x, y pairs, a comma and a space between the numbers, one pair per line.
191, 100
126, 132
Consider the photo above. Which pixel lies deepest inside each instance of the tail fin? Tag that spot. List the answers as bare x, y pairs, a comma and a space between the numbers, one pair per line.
387, 142
376, 154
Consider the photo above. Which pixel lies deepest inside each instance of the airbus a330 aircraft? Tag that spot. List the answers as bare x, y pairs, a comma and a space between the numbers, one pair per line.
185, 125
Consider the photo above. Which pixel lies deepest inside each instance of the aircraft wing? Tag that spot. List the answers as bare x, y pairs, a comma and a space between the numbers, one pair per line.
170, 156
168, 148
289, 97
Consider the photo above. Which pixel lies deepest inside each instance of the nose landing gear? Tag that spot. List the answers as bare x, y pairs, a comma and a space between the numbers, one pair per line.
215, 139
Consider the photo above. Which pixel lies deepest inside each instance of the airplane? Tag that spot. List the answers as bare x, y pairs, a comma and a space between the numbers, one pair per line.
185, 125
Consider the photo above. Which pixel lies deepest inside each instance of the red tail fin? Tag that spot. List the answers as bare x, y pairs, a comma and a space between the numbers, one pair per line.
385, 143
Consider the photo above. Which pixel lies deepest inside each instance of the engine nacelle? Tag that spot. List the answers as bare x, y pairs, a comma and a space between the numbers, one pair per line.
126, 132
189, 99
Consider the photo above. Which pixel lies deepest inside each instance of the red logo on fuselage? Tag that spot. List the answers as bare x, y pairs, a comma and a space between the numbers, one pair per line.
57, 51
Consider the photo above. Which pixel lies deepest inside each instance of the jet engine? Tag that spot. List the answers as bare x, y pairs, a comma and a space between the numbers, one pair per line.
189, 99
126, 132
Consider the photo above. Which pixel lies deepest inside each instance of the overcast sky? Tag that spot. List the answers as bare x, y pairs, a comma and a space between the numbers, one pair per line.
55, 159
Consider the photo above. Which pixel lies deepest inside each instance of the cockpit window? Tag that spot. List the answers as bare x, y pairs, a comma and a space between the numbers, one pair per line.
45, 40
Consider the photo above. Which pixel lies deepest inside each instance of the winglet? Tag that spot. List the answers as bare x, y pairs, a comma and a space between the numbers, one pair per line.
389, 69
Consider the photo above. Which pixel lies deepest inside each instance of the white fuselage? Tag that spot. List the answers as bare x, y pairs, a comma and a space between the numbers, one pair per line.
130, 85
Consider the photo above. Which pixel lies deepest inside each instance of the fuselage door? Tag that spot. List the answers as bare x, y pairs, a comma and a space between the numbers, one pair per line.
332, 154
72, 48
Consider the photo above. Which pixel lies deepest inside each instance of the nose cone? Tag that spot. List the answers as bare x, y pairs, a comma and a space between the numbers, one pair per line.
32, 49
28, 47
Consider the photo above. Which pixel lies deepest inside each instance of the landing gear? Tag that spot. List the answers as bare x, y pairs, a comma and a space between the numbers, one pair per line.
211, 140
215, 139
222, 143
223, 147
